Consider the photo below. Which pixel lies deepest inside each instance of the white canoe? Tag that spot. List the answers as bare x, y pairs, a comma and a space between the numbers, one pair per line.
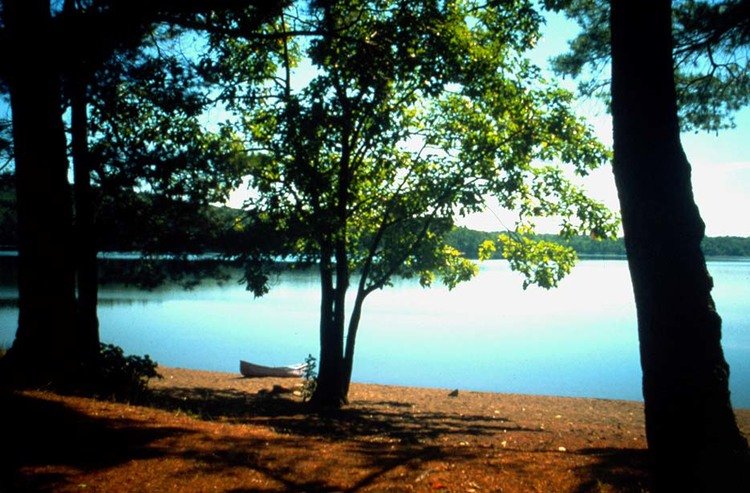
252, 370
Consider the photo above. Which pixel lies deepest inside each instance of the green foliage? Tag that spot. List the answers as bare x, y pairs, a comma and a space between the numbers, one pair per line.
486, 250
411, 114
726, 246
158, 225
148, 126
712, 66
309, 378
159, 164
487, 245
482, 245
119, 377
543, 263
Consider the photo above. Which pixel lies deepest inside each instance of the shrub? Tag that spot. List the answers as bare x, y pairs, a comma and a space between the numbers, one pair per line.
309, 378
120, 377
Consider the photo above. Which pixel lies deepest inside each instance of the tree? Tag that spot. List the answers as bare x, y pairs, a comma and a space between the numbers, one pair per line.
153, 149
50, 345
711, 66
690, 426
77, 75
46, 274
410, 113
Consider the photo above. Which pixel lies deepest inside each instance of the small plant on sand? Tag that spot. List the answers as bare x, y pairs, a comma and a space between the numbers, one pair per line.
309, 377
120, 377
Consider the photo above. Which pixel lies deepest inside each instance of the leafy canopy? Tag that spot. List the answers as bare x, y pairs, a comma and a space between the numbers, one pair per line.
386, 119
711, 40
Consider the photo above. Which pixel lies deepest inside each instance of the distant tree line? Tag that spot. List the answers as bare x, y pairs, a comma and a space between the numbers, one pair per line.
468, 240
132, 226
140, 222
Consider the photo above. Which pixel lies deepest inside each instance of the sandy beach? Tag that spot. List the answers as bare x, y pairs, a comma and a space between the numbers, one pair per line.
209, 431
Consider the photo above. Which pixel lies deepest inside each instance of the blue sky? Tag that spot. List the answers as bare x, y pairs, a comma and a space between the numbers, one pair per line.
721, 163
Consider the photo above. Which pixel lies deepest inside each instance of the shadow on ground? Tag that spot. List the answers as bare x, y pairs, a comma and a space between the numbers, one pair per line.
622, 470
365, 446
40, 432
395, 420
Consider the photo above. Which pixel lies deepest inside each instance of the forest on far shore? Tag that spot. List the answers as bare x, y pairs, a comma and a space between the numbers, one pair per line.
128, 226
466, 240
209, 229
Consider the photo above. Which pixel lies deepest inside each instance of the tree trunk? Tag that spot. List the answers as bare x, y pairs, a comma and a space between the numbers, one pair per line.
690, 426
332, 387
328, 392
351, 340
45, 347
86, 262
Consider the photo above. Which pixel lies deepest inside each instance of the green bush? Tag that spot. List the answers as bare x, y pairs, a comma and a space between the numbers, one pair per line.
120, 377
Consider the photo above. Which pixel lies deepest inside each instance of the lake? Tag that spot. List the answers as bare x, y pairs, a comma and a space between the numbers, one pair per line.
488, 334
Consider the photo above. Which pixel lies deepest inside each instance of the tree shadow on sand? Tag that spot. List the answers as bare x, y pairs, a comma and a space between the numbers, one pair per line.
52, 443
375, 427
41, 432
367, 445
623, 470
389, 419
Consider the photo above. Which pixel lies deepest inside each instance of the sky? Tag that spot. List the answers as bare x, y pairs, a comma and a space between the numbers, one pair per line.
720, 163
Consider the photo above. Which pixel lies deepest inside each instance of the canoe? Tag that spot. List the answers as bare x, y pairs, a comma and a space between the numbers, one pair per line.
252, 370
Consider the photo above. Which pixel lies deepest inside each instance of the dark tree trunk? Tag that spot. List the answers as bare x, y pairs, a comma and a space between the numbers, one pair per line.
336, 356
332, 387
328, 392
45, 347
85, 235
690, 426
351, 340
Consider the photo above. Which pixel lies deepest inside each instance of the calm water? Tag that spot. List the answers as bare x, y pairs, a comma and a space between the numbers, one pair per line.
488, 334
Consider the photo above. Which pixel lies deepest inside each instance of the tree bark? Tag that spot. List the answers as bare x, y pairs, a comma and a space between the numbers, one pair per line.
45, 348
87, 280
329, 385
333, 387
351, 340
690, 427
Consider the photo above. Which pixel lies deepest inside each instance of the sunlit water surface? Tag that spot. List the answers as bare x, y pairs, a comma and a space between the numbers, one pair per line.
487, 334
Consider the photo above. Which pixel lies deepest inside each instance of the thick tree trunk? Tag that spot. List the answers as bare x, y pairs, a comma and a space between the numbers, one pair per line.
690, 426
45, 347
328, 392
86, 262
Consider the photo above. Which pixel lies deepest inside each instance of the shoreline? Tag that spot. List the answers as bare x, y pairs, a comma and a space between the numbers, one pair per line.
530, 409
193, 376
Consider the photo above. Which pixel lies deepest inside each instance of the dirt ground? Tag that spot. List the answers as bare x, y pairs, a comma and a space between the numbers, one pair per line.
207, 431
